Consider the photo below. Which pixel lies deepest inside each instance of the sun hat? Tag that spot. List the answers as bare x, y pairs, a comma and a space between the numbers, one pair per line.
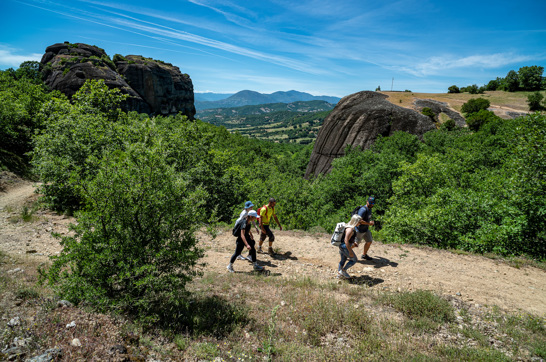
248, 204
253, 213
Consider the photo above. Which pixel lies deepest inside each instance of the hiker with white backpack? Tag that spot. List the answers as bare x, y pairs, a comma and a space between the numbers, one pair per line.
346, 245
242, 230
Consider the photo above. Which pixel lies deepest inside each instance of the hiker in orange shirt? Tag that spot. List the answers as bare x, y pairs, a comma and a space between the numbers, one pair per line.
266, 213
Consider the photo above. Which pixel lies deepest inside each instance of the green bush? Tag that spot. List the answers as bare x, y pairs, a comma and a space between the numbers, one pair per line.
453, 89
475, 105
134, 246
429, 113
476, 120
534, 101
71, 135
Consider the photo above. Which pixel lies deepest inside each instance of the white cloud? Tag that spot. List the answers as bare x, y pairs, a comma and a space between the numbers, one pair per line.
438, 65
9, 58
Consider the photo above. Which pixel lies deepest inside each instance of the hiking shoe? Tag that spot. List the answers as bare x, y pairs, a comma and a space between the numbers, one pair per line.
366, 257
260, 249
240, 257
270, 251
340, 275
345, 274
248, 258
230, 268
258, 267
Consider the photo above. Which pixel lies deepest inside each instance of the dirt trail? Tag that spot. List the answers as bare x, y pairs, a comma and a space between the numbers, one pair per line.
473, 279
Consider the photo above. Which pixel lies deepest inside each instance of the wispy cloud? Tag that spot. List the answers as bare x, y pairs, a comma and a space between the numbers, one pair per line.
10, 58
437, 65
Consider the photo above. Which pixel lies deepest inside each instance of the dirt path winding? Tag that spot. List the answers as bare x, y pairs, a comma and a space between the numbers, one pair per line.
473, 279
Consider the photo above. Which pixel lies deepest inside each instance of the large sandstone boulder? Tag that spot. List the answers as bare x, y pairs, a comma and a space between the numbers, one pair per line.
358, 120
160, 84
154, 87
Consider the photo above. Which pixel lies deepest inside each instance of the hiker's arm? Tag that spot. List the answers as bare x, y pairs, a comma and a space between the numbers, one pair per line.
277, 220
244, 239
261, 224
347, 241
256, 227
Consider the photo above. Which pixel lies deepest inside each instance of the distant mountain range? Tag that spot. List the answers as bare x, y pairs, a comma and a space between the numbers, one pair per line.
248, 97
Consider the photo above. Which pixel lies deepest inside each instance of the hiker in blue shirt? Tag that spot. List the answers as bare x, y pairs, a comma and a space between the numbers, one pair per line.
363, 231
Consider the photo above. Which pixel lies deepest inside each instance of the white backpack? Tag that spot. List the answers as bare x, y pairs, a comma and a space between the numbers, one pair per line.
337, 236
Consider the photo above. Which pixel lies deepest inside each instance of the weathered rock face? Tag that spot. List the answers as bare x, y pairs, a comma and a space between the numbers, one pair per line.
358, 120
154, 87
161, 85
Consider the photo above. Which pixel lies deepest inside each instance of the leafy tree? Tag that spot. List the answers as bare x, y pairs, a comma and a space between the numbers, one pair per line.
475, 105
477, 119
453, 89
20, 102
530, 78
472, 89
511, 81
134, 246
493, 85
534, 101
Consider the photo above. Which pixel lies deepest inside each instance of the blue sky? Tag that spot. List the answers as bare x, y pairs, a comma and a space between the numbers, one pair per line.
317, 46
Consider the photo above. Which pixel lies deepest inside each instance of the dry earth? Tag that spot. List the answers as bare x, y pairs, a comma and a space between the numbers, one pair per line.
472, 279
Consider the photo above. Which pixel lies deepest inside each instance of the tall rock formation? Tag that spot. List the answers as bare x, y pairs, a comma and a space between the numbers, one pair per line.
153, 86
357, 120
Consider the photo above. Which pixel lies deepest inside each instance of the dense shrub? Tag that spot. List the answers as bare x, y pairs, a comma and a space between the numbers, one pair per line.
475, 105
22, 95
134, 246
429, 113
476, 120
453, 89
535, 101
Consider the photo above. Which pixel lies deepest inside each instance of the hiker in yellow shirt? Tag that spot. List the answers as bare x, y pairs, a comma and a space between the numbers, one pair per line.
266, 213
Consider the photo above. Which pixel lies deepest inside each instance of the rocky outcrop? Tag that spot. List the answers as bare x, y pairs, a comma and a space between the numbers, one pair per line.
154, 87
160, 84
438, 107
358, 120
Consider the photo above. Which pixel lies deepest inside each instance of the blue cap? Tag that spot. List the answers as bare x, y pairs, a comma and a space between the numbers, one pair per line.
371, 200
248, 204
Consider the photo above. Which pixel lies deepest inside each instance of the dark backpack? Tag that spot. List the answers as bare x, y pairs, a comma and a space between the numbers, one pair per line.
355, 211
237, 228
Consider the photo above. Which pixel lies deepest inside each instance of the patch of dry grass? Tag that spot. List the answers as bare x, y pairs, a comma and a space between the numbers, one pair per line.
267, 317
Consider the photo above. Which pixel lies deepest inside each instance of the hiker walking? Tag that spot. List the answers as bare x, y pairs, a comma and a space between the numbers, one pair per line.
266, 213
363, 231
346, 247
245, 239
248, 206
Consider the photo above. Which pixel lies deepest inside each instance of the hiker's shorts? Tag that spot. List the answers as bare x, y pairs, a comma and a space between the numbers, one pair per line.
366, 235
268, 233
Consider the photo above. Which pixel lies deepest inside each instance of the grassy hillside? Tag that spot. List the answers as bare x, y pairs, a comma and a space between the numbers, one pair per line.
500, 101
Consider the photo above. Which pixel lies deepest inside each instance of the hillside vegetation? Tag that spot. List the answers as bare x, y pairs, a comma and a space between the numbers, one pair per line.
142, 187
296, 122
